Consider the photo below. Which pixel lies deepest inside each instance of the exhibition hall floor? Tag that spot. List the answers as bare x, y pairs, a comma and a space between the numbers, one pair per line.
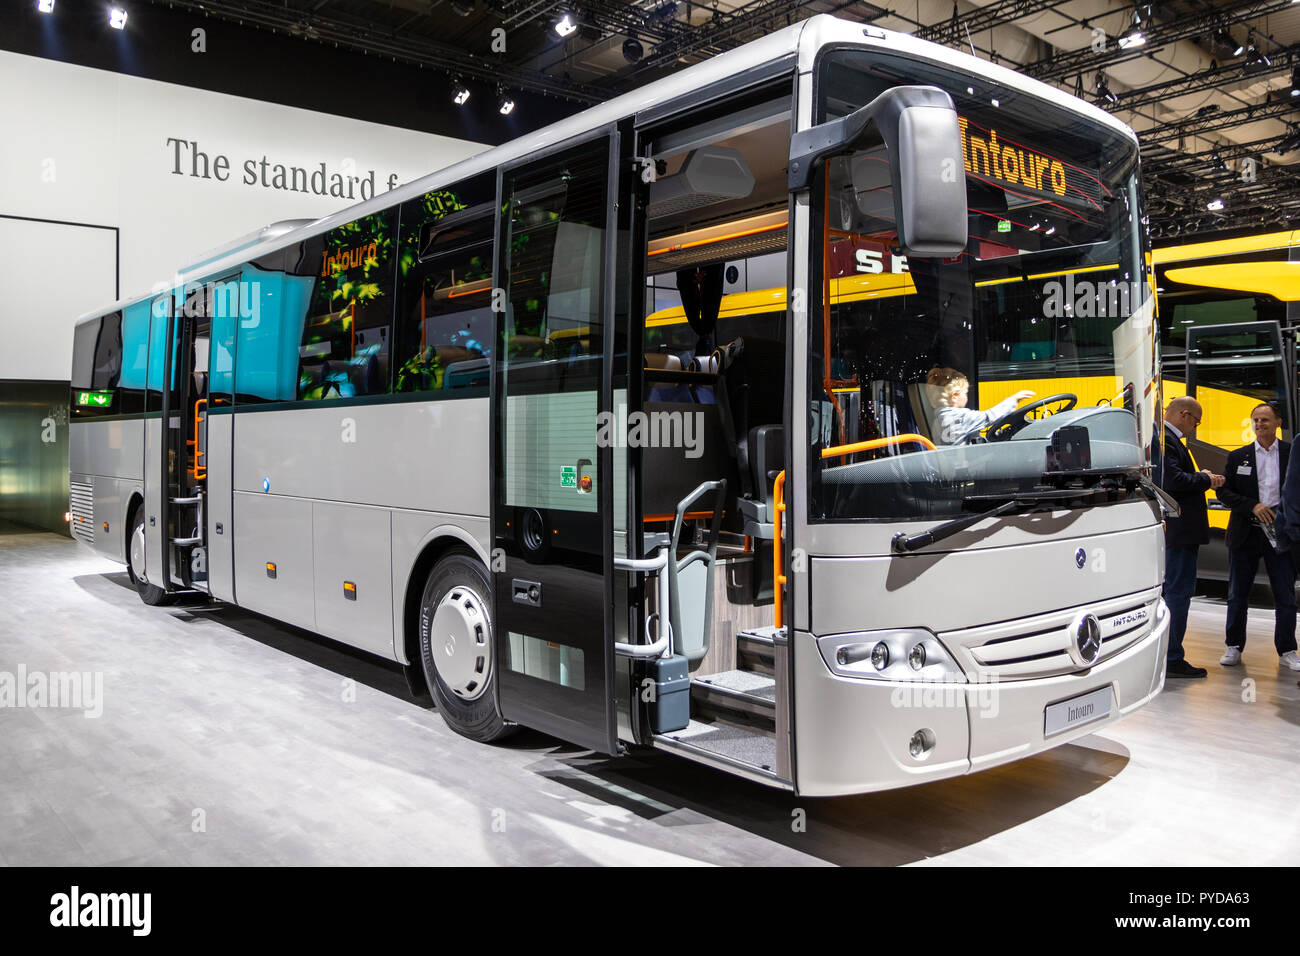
227, 739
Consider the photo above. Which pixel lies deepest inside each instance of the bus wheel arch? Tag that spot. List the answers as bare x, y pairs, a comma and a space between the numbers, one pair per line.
150, 594
456, 641
440, 542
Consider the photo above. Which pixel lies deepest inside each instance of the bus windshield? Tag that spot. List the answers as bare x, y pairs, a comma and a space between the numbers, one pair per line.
938, 383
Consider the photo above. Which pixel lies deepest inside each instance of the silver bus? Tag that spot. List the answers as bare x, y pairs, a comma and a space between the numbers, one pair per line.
647, 429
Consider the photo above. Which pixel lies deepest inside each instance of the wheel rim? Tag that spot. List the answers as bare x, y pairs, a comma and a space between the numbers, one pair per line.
461, 641
137, 554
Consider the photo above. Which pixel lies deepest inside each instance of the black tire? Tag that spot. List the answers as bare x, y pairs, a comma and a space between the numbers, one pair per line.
460, 580
150, 594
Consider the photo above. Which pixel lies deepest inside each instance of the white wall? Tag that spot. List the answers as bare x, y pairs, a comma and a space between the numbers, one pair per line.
90, 146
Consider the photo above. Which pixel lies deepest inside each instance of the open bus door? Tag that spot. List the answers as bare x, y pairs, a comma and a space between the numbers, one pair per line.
1231, 368
178, 560
553, 491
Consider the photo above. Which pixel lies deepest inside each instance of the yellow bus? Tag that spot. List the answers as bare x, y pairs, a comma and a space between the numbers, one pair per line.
1228, 311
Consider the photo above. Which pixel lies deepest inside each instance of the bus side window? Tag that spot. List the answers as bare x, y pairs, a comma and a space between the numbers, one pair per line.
443, 337
343, 351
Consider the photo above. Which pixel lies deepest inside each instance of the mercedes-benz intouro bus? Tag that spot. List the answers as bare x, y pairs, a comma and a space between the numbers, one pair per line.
496, 425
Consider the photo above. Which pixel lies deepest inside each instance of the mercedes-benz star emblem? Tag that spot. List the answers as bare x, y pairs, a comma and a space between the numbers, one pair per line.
1080, 558
1085, 640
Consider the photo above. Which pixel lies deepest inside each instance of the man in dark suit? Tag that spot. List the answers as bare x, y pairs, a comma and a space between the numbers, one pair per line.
1184, 534
1254, 476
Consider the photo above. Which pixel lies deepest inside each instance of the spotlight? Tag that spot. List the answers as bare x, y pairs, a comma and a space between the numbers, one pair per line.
566, 26
117, 18
1295, 79
505, 104
1216, 160
1240, 48
1290, 142
459, 92
1103, 91
1215, 205
1131, 38
632, 49
45, 6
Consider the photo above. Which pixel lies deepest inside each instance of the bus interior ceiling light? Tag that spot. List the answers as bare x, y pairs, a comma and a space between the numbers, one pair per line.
566, 25
117, 18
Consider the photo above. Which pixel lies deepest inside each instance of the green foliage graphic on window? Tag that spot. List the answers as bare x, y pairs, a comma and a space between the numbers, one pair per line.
344, 347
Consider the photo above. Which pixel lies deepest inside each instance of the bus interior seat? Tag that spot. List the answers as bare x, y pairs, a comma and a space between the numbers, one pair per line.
925, 409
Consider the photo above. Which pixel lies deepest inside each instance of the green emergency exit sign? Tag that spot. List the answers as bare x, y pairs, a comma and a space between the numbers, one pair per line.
1004, 225
95, 399
568, 476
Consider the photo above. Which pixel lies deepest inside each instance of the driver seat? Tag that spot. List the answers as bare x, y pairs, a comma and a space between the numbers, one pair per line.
925, 409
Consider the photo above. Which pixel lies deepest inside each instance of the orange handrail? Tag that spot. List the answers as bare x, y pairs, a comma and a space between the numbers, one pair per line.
875, 443
200, 471
778, 578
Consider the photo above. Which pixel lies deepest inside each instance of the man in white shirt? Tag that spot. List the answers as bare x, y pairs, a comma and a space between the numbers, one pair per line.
1253, 490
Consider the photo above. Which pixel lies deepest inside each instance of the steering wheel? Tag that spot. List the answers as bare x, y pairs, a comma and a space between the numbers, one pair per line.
1012, 422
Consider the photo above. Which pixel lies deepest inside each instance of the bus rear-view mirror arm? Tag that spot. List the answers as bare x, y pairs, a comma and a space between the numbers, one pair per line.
919, 127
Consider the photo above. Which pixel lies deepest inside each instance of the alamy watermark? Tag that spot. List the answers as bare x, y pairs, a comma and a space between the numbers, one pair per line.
59, 690
657, 429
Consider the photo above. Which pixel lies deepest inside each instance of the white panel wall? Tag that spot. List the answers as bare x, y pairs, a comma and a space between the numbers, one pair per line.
90, 146
39, 297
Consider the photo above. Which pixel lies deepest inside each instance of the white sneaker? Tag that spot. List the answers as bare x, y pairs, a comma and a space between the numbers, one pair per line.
1232, 657
1289, 660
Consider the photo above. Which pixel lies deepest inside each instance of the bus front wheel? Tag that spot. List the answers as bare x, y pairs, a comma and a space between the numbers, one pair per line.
457, 647
150, 594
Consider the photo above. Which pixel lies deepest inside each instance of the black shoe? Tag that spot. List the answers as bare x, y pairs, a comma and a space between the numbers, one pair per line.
1183, 669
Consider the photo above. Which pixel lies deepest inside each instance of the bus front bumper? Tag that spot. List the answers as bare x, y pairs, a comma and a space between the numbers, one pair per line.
857, 736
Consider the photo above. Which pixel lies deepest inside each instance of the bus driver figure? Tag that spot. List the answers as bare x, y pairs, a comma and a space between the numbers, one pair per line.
956, 421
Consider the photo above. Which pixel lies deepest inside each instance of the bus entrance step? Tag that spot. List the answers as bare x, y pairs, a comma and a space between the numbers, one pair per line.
725, 745
754, 650
742, 697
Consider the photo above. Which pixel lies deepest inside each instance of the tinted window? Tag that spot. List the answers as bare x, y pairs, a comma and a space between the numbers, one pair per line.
344, 350
444, 329
101, 385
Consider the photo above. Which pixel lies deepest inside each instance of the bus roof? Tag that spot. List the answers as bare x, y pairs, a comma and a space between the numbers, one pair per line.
1225, 247
802, 40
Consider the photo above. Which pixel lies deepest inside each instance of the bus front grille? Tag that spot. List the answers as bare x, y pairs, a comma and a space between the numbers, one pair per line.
81, 501
1039, 646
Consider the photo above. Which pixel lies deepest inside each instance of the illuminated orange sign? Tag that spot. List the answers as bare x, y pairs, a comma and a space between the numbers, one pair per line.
1010, 164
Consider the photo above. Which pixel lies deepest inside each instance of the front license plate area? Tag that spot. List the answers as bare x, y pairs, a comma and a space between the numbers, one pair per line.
1084, 709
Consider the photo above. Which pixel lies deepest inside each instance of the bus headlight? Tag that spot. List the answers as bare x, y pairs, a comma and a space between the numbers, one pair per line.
908, 654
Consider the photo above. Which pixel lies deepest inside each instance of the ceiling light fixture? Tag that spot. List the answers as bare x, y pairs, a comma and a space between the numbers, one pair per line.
45, 6
505, 104
566, 26
459, 92
632, 49
1215, 204
1103, 91
117, 18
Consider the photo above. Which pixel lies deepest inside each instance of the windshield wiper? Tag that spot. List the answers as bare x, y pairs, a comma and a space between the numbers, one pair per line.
1025, 502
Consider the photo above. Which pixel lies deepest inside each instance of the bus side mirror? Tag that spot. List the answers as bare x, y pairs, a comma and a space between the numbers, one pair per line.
919, 127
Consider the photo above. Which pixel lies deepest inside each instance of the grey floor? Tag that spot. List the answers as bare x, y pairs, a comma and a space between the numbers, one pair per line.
226, 739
